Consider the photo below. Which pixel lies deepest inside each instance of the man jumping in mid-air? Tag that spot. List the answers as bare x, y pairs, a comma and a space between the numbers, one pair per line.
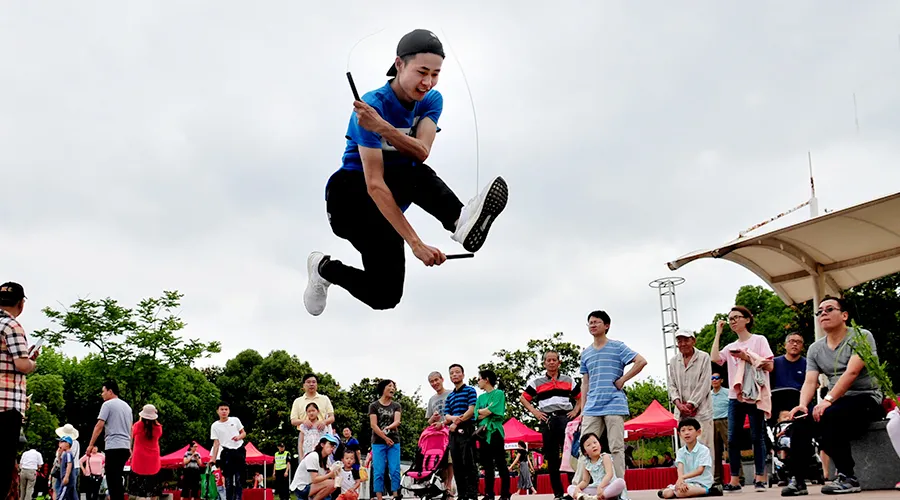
383, 172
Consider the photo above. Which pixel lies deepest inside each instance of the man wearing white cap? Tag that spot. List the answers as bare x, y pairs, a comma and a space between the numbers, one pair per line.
72, 432
690, 371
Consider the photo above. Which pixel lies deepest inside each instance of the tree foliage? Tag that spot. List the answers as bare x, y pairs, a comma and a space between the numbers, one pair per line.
515, 368
874, 305
641, 394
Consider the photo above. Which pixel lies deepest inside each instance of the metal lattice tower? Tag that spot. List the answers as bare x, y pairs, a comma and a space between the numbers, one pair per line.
668, 309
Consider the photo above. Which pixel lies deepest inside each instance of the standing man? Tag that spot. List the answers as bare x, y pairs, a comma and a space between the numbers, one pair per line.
435, 409
852, 403
115, 421
298, 409
15, 363
228, 450
282, 472
690, 371
383, 172
29, 464
553, 399
719, 398
435, 412
459, 409
604, 406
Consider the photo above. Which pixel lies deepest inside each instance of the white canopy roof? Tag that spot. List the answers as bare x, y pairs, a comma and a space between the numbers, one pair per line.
820, 256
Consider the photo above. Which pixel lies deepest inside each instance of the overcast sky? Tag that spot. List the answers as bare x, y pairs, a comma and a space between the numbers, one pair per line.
185, 145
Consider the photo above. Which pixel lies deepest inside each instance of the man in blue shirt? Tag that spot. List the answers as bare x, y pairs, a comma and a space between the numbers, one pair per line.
788, 374
383, 172
604, 406
459, 412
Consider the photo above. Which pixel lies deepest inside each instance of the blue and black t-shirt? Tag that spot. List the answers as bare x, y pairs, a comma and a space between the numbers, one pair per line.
403, 117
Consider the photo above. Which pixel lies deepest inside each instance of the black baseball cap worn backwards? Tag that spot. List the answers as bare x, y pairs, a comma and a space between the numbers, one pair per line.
417, 42
11, 293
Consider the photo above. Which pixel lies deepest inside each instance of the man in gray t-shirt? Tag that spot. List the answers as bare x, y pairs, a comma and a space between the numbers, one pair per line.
435, 410
852, 403
115, 420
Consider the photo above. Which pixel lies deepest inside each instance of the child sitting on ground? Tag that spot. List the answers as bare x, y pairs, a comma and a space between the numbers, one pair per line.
599, 481
694, 464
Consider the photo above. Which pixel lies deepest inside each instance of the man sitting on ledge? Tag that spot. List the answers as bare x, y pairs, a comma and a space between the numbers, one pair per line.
852, 403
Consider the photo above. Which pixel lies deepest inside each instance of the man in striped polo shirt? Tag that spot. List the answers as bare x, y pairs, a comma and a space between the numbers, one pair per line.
604, 406
459, 409
552, 399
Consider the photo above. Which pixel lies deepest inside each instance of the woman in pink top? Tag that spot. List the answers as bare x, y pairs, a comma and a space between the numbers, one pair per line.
145, 434
749, 352
92, 473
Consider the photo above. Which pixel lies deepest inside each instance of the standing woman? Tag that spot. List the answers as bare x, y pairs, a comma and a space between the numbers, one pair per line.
490, 410
190, 480
526, 469
384, 417
740, 319
145, 434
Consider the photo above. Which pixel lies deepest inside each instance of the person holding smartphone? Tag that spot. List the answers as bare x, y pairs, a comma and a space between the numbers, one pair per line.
16, 361
743, 350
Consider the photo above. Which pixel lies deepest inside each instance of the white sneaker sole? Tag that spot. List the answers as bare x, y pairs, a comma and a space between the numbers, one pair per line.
478, 225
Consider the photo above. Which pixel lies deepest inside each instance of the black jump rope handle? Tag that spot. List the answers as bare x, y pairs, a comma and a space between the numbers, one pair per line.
356, 96
353, 86
460, 256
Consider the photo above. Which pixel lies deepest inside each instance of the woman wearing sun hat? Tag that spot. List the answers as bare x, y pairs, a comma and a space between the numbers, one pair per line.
145, 462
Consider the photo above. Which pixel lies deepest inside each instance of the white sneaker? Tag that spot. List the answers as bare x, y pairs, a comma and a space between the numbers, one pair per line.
476, 218
316, 293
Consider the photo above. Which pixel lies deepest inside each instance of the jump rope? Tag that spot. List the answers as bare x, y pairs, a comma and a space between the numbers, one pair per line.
471, 101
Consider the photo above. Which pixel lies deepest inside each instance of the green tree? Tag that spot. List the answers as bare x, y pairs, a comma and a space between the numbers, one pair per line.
641, 394
261, 390
515, 368
772, 319
137, 347
875, 305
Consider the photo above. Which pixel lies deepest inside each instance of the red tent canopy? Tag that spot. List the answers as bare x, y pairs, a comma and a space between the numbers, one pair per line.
517, 431
656, 421
256, 457
175, 460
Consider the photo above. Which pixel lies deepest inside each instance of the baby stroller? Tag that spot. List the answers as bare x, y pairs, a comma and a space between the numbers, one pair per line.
779, 436
430, 462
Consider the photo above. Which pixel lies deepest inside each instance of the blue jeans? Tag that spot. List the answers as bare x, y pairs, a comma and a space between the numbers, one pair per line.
382, 453
737, 411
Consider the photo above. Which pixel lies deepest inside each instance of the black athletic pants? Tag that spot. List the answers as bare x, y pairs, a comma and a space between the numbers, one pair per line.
115, 477
493, 456
465, 470
553, 435
847, 418
10, 428
355, 217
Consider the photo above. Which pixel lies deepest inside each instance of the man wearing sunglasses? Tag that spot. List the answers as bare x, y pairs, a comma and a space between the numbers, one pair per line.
852, 403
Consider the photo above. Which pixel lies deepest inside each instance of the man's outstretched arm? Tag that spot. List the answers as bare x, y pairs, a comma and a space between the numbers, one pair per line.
373, 168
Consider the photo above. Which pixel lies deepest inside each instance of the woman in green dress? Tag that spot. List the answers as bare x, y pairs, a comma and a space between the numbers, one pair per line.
490, 410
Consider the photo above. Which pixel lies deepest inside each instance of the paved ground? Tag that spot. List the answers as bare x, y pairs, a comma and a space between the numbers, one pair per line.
749, 494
